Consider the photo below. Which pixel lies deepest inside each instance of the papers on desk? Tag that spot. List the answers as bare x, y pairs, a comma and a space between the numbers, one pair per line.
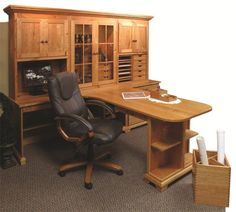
177, 101
134, 95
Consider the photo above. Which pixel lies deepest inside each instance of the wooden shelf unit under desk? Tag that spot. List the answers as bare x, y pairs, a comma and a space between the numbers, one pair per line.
168, 156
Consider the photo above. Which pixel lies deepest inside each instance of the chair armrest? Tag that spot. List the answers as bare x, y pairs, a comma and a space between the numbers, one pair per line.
101, 104
77, 118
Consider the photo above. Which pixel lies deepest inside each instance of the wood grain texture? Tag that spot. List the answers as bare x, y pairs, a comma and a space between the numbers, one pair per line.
183, 111
211, 184
26, 9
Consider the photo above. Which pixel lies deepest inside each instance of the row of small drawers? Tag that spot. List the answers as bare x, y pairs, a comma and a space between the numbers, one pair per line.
105, 71
139, 67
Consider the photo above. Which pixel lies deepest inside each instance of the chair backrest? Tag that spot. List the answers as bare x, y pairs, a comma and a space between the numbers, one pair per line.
65, 95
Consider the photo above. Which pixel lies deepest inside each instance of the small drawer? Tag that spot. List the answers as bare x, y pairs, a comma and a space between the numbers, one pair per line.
139, 77
138, 57
105, 75
140, 61
140, 66
139, 72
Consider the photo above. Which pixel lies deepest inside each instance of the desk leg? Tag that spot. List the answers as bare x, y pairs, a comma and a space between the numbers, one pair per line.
168, 157
18, 150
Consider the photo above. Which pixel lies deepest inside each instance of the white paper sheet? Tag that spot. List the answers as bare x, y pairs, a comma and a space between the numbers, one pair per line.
221, 146
202, 150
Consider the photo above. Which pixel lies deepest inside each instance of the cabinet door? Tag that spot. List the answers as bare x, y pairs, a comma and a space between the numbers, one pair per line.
41, 38
82, 51
28, 38
125, 37
55, 37
106, 52
139, 38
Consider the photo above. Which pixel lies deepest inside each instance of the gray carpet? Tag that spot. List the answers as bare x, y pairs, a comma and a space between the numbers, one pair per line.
36, 187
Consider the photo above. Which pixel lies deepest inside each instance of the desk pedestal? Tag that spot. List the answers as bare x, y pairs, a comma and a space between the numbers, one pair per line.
168, 156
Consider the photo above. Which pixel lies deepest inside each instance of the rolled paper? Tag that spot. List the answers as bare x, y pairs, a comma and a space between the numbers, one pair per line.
202, 150
221, 146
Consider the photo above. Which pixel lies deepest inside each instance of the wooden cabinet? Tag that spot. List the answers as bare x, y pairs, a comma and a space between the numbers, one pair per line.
133, 36
125, 37
83, 50
28, 38
107, 52
68, 40
94, 51
41, 38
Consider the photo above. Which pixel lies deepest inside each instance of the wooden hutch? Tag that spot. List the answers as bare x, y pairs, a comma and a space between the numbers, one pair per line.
102, 48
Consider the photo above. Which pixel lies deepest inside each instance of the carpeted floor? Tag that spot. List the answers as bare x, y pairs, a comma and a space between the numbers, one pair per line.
36, 187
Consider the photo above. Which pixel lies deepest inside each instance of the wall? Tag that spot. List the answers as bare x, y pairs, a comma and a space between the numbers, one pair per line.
192, 51
4, 57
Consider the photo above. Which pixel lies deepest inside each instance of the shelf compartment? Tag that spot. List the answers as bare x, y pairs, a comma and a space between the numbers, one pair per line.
165, 172
39, 126
124, 73
189, 134
128, 78
124, 65
125, 68
163, 146
124, 61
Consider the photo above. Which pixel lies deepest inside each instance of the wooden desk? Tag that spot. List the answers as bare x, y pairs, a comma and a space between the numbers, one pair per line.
168, 156
32, 113
33, 116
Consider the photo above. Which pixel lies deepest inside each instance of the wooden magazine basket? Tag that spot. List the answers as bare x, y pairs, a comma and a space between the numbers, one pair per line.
211, 183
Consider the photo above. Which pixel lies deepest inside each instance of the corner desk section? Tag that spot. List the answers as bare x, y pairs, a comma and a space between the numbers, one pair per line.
168, 156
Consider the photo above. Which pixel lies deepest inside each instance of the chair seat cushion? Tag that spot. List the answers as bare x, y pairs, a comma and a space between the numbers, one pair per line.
105, 130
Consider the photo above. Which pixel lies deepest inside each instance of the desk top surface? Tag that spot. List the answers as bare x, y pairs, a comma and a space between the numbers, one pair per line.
183, 111
112, 94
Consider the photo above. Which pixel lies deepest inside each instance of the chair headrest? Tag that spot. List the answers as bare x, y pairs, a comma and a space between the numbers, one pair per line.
67, 84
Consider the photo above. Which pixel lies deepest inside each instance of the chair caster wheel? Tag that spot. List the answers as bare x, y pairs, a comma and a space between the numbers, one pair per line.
88, 185
62, 174
120, 172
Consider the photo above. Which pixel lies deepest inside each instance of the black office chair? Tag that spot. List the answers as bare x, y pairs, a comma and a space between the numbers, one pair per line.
76, 124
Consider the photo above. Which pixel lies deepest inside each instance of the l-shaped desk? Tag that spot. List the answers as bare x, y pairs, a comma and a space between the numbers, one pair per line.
168, 156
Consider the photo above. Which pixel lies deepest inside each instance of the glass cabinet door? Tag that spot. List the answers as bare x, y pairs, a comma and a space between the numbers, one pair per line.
105, 52
83, 52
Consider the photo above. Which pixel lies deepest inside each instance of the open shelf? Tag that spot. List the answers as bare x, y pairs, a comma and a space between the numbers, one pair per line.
32, 76
39, 126
164, 172
163, 146
37, 119
124, 68
189, 134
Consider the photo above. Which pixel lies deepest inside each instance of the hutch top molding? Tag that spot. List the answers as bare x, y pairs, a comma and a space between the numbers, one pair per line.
29, 9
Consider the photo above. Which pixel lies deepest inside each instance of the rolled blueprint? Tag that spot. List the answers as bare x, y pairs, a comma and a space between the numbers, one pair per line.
202, 150
221, 146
